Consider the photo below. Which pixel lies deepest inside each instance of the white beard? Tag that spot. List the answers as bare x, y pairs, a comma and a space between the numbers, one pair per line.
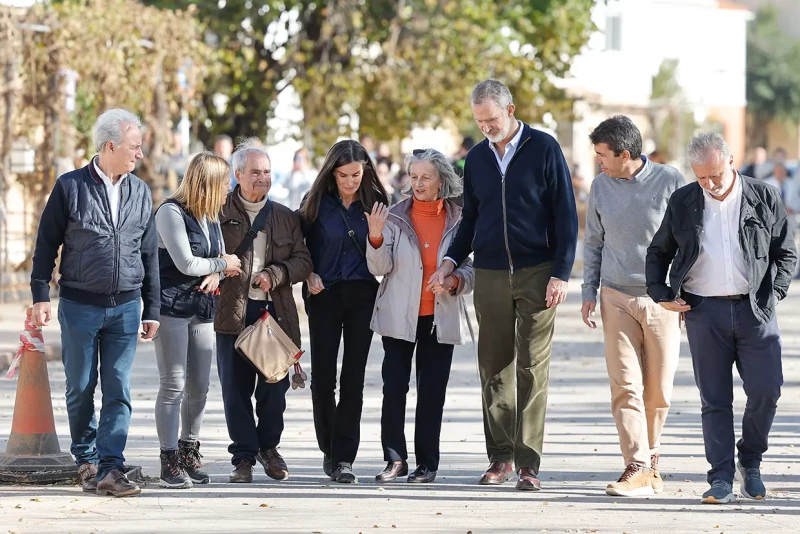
499, 137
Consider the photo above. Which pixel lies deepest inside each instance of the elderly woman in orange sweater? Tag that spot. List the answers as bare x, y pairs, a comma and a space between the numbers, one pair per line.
407, 244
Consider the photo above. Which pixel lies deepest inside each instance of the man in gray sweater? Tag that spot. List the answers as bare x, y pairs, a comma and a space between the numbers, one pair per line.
642, 340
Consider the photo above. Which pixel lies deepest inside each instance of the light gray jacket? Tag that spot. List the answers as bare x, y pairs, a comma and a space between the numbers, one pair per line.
399, 261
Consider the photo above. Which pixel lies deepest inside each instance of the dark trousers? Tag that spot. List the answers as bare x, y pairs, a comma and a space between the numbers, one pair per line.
514, 342
722, 334
343, 309
239, 381
433, 372
95, 338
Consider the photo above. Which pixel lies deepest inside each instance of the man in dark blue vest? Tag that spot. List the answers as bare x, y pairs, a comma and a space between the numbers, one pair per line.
102, 216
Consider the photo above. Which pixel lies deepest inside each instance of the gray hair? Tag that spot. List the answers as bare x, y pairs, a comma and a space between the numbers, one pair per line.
451, 186
705, 145
492, 90
252, 146
108, 127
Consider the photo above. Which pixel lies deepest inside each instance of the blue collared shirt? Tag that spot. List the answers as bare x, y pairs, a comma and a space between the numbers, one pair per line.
511, 149
333, 252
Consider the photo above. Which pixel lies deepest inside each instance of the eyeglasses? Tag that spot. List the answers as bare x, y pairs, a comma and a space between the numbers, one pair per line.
417, 151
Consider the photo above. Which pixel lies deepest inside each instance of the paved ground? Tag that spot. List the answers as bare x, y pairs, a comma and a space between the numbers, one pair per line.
581, 457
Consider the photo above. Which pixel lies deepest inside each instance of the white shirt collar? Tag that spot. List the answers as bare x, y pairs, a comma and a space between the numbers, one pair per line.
103, 175
518, 136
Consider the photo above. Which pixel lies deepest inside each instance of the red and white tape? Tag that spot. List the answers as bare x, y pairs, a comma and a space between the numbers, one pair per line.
29, 339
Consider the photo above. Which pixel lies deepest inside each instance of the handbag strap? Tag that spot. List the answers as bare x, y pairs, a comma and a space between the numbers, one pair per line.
256, 227
351, 233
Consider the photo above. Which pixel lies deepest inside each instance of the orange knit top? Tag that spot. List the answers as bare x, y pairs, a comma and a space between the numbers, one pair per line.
428, 220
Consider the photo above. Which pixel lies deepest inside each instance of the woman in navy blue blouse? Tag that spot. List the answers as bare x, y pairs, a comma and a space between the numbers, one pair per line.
339, 298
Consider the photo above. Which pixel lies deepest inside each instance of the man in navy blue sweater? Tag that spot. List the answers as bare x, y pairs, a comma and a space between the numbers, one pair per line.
102, 218
521, 223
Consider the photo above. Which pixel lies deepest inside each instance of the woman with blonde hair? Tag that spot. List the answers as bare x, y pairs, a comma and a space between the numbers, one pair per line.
191, 263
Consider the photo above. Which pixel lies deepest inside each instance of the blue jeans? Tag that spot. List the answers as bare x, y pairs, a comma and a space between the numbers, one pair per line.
723, 334
92, 335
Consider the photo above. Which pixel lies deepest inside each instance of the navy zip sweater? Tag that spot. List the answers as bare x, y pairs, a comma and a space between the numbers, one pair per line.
525, 218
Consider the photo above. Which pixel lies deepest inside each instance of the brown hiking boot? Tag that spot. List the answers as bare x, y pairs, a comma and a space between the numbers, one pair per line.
634, 482
657, 482
274, 465
242, 473
88, 474
116, 484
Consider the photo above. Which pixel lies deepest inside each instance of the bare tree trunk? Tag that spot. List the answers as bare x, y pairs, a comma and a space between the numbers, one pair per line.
11, 58
46, 153
151, 171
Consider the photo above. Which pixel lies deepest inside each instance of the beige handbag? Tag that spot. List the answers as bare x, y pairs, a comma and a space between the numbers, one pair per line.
268, 348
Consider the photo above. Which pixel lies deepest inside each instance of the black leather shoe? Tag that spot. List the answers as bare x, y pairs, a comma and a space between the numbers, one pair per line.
327, 465
422, 475
392, 471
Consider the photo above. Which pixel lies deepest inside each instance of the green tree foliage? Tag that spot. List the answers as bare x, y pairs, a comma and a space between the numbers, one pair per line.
126, 55
773, 73
384, 66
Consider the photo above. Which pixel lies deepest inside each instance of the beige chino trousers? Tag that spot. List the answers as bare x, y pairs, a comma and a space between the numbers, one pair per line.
642, 342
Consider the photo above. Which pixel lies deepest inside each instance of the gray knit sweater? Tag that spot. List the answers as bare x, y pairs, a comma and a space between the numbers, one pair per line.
622, 217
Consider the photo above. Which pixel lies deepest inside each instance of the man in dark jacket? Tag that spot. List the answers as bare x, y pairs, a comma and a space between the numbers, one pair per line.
732, 255
520, 221
103, 216
276, 259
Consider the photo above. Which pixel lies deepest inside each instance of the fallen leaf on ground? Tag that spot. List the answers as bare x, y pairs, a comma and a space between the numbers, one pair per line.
263, 505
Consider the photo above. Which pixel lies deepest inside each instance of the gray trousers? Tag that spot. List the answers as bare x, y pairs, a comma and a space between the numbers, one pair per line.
184, 351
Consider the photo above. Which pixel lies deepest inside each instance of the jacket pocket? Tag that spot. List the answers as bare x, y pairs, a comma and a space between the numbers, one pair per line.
760, 243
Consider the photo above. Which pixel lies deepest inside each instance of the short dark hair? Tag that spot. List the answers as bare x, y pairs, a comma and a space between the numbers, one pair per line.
468, 142
620, 134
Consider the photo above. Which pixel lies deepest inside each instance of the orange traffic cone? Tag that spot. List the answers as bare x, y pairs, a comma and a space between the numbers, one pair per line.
33, 453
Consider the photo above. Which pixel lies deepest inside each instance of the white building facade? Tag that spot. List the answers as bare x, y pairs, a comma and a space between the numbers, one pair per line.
614, 74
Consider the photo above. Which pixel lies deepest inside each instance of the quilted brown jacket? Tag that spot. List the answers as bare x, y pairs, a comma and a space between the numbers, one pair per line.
285, 249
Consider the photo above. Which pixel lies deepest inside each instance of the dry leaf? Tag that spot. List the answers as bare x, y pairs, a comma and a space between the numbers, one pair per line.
263, 505
438, 513
37, 499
